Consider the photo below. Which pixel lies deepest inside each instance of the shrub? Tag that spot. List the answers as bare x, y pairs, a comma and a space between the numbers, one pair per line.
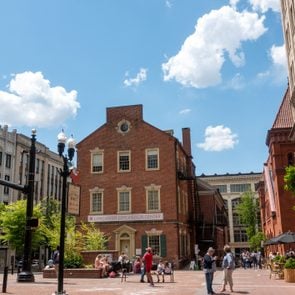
73, 260
290, 263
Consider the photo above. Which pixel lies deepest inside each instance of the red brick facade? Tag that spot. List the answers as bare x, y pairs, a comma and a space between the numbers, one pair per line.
212, 220
276, 204
136, 185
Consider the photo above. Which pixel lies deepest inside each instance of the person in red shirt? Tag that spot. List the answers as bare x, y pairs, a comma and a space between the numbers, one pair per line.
148, 261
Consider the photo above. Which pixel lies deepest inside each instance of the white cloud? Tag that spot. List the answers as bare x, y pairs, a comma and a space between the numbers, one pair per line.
278, 56
278, 71
184, 111
198, 63
139, 78
236, 83
218, 138
31, 101
265, 5
168, 3
233, 3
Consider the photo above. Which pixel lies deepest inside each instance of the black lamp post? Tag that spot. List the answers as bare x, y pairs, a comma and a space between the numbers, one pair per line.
62, 139
26, 274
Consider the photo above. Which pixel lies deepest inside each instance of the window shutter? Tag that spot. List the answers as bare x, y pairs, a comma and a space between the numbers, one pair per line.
163, 246
144, 244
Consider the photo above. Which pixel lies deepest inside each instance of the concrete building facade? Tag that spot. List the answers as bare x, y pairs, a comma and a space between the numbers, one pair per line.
14, 166
288, 23
138, 185
231, 187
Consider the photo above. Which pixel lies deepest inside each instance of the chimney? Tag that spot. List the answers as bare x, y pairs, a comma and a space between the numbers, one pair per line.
186, 141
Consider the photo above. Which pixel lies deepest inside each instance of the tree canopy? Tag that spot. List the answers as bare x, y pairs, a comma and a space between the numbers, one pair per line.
248, 209
13, 223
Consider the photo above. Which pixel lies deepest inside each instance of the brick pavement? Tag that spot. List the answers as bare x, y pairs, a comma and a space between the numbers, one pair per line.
186, 283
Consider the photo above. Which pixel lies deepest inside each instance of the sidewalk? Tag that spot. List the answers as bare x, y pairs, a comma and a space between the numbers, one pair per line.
186, 283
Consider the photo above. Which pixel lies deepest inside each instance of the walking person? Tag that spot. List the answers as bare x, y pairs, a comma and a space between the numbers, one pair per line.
55, 258
208, 270
148, 262
228, 265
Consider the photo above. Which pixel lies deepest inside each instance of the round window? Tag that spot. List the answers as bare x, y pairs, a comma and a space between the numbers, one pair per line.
124, 127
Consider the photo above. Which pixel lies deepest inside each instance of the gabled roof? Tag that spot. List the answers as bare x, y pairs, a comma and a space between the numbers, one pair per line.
284, 118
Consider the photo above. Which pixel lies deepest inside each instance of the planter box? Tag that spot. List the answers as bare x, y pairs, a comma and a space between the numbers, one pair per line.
81, 273
89, 256
289, 275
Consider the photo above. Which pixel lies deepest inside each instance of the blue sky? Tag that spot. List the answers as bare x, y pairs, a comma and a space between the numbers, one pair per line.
218, 67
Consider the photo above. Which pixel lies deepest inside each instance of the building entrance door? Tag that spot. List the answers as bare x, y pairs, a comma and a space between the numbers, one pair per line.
125, 245
125, 240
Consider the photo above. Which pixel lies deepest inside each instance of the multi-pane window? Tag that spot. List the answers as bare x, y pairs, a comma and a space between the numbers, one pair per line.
6, 188
97, 202
124, 161
153, 203
153, 197
152, 159
154, 243
240, 187
97, 162
124, 201
221, 187
237, 220
8, 161
240, 235
37, 166
235, 203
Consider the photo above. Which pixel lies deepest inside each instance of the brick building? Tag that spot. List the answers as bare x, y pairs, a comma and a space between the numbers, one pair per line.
137, 185
276, 204
212, 219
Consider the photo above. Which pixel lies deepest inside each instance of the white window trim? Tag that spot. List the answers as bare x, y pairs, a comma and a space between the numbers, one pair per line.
146, 159
94, 191
155, 188
124, 188
118, 161
97, 151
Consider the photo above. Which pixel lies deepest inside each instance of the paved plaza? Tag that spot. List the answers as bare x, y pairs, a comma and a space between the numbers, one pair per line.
186, 283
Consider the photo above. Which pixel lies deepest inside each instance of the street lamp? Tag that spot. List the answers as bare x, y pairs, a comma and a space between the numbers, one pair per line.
62, 140
26, 274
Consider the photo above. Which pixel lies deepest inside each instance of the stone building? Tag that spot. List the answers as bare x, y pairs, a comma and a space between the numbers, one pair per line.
277, 215
288, 22
14, 165
231, 187
138, 185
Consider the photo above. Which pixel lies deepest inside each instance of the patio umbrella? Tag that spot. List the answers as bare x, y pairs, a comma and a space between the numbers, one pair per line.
285, 238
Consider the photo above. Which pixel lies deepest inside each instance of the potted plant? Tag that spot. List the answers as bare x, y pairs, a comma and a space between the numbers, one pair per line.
289, 270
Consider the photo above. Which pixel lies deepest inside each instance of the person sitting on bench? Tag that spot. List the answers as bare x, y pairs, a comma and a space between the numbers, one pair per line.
160, 271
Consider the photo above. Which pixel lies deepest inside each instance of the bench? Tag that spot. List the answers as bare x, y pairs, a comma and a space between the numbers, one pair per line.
170, 274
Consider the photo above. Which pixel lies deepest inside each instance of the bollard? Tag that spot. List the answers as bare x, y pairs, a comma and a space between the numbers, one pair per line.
5, 275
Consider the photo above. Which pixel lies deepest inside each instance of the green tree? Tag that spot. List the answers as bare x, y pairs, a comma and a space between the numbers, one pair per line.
255, 241
13, 222
92, 238
248, 210
289, 179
